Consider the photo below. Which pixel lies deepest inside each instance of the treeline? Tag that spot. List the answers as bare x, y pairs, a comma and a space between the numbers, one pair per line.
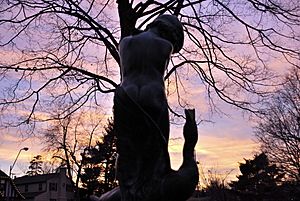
259, 181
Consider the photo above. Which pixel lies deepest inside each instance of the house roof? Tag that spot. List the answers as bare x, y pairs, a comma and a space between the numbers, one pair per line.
29, 195
3, 175
35, 179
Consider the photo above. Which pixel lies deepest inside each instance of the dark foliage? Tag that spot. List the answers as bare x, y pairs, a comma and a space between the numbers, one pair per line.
259, 180
36, 166
99, 163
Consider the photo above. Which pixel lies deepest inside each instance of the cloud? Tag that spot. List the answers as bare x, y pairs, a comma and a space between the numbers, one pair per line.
226, 151
7, 138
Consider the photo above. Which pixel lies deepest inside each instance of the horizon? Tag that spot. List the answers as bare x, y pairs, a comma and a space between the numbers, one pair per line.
221, 146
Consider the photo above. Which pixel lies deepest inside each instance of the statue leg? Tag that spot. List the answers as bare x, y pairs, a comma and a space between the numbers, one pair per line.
143, 157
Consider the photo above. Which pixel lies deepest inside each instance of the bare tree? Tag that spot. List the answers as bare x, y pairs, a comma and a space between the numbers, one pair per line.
279, 128
67, 140
58, 51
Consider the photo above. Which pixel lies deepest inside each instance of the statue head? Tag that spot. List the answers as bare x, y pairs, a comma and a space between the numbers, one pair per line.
169, 28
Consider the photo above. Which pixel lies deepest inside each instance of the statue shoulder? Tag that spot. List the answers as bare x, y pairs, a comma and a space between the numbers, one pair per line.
143, 44
144, 38
125, 41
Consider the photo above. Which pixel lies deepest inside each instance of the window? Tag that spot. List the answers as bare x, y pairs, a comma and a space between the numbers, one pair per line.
52, 186
26, 187
2, 186
40, 186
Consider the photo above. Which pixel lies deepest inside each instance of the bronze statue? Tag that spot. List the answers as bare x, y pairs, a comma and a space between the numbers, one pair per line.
141, 120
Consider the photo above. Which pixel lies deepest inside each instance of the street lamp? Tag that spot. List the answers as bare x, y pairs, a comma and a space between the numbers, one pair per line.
12, 166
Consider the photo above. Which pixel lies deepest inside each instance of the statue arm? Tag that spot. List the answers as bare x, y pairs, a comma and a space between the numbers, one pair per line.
179, 185
190, 133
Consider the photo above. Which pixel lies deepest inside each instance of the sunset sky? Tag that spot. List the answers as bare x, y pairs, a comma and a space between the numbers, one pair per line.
225, 140
222, 144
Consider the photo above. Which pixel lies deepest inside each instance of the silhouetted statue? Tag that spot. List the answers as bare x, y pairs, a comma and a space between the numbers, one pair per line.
141, 120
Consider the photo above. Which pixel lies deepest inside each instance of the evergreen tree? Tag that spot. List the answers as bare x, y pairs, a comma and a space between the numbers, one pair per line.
99, 163
258, 179
36, 166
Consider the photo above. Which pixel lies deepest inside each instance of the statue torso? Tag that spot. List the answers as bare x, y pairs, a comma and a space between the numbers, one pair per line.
144, 59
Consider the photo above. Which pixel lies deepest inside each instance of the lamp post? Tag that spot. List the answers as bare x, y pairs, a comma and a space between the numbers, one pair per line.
12, 166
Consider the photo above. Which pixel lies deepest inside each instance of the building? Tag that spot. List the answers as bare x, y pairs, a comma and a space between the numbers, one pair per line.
46, 187
8, 189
